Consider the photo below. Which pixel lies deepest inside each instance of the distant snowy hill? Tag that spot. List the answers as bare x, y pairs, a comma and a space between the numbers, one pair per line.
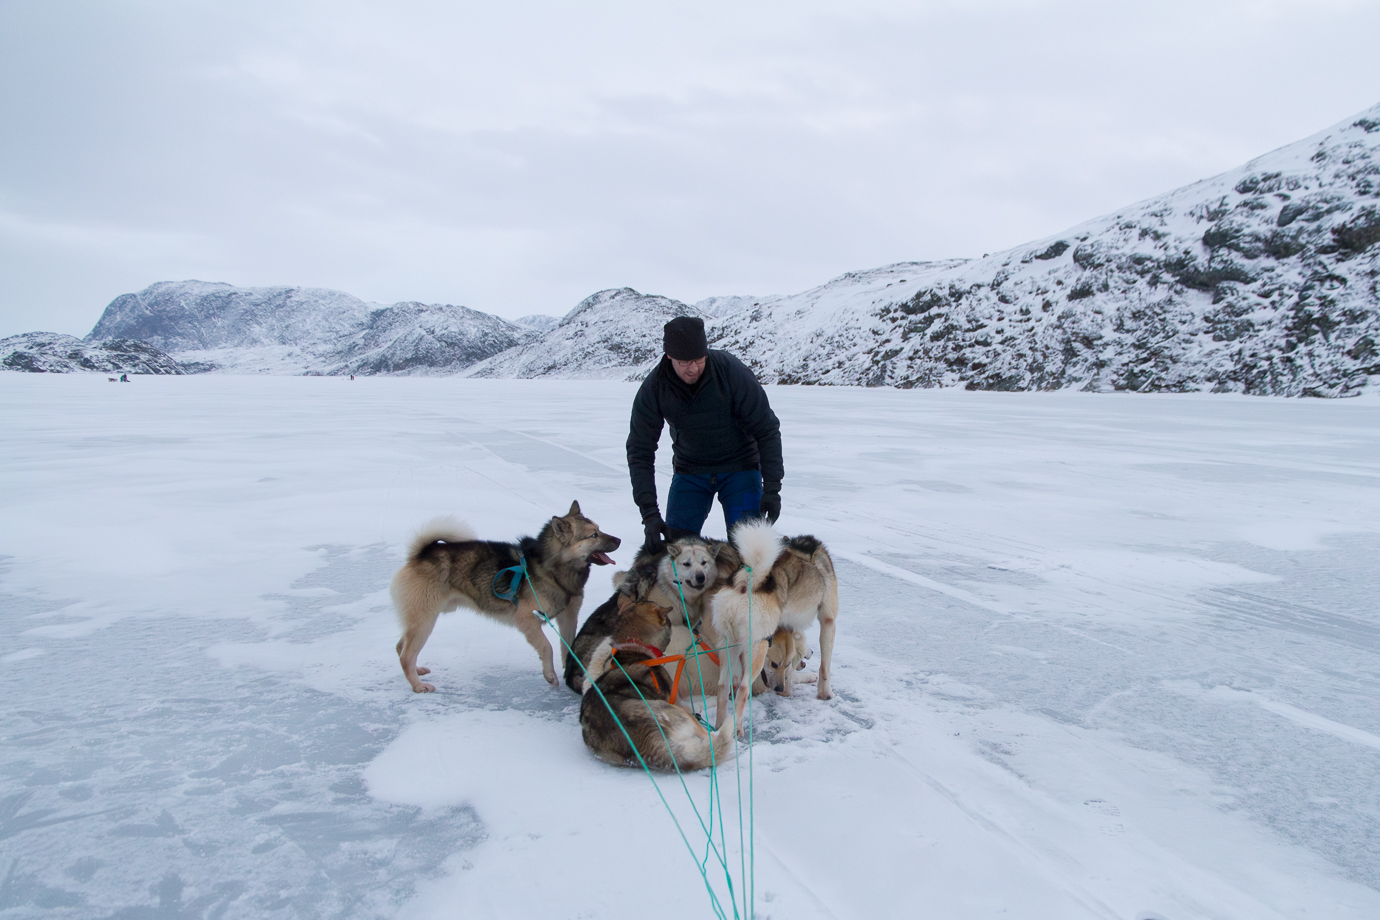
416, 337
614, 333
536, 324
54, 353
1260, 280
714, 307
296, 330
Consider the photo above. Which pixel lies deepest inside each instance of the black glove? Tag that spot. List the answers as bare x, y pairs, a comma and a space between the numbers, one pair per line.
654, 527
771, 503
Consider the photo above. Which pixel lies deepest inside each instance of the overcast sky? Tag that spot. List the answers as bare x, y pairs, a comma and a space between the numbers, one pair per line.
515, 157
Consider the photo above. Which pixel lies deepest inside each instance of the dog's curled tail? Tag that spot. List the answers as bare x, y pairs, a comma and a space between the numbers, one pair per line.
759, 545
442, 528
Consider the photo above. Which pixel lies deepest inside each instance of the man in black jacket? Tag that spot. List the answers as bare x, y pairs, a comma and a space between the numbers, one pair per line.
725, 440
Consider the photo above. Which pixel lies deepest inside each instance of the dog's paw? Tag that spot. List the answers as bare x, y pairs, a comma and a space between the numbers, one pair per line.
420, 687
422, 670
824, 693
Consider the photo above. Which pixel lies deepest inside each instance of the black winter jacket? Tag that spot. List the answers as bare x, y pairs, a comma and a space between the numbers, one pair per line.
723, 424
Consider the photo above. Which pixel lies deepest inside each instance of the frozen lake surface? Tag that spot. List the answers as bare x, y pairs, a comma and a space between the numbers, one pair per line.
1099, 656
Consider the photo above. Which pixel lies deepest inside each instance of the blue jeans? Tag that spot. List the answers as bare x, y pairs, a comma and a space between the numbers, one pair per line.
692, 495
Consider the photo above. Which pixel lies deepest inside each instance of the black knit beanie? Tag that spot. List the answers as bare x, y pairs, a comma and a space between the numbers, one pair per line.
684, 338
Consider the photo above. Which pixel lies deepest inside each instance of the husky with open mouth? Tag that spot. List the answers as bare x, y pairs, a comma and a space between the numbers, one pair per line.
448, 567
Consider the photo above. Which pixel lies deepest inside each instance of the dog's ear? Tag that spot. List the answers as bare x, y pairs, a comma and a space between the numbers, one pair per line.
625, 602
574, 510
562, 527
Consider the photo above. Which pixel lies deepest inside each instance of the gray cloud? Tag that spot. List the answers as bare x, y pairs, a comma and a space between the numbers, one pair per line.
517, 157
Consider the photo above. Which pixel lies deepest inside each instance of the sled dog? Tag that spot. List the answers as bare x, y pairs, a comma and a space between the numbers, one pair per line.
666, 736
448, 567
786, 654
688, 569
604, 623
792, 583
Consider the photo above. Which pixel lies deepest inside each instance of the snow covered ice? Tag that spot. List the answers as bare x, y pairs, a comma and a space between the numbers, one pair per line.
1099, 656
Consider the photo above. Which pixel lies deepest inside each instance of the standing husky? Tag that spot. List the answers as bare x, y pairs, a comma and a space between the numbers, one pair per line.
448, 567
791, 583
625, 695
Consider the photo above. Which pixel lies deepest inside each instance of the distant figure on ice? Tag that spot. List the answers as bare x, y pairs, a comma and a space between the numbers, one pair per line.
124, 378
725, 440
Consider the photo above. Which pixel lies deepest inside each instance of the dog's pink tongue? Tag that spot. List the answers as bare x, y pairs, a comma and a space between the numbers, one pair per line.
601, 559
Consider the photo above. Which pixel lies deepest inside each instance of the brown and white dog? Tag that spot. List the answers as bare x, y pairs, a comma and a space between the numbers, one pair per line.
786, 656
784, 584
448, 567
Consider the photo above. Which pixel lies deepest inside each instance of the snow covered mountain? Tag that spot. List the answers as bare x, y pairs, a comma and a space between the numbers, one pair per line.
1260, 280
54, 353
614, 333
416, 338
294, 330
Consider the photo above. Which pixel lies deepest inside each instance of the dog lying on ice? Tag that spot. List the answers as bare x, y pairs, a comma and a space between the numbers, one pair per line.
448, 567
791, 584
665, 735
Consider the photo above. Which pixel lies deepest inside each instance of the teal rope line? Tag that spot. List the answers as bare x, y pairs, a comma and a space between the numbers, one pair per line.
747, 679
713, 897
714, 796
752, 804
727, 877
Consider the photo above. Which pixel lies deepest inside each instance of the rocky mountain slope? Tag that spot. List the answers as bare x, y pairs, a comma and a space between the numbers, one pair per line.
1260, 280
294, 330
606, 335
53, 353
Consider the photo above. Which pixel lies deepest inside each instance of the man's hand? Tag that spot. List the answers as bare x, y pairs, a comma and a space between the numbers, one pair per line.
771, 503
654, 528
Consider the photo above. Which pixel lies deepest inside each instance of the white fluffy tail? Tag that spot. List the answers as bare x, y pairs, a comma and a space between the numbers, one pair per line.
759, 545
692, 743
442, 528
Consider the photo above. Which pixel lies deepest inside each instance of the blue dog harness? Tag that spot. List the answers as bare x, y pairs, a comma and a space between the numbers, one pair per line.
518, 573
